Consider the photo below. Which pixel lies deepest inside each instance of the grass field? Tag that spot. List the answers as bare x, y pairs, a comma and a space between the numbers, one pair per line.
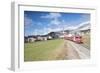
41, 50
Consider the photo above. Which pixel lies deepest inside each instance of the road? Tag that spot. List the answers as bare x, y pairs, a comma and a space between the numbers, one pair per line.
76, 51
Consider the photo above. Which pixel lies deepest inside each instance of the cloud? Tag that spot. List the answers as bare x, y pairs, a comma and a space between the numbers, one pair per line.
66, 26
52, 16
62, 25
39, 23
28, 21
55, 22
78, 26
86, 17
28, 25
47, 30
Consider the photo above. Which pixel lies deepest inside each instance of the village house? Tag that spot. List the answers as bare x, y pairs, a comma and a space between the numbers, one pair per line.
29, 39
49, 37
37, 38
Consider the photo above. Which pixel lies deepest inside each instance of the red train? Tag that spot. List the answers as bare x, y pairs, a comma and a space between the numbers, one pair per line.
74, 38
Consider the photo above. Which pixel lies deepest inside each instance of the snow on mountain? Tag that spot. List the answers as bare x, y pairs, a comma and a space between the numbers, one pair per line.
83, 26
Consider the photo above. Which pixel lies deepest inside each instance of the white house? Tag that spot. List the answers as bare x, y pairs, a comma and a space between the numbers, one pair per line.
31, 39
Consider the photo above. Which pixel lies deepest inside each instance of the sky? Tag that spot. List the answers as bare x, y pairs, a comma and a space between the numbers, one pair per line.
41, 23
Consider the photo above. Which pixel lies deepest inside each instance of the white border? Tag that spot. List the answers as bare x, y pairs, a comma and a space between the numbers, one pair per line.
18, 58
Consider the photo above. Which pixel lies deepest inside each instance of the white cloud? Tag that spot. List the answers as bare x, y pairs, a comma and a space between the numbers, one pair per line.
39, 23
86, 17
28, 21
47, 30
55, 15
52, 16
55, 22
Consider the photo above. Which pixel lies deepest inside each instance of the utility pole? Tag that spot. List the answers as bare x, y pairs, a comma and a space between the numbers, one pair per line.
63, 29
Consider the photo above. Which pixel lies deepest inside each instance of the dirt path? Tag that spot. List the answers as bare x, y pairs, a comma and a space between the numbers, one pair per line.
70, 50
76, 51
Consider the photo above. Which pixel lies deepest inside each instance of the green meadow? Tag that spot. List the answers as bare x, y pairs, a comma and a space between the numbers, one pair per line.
41, 50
